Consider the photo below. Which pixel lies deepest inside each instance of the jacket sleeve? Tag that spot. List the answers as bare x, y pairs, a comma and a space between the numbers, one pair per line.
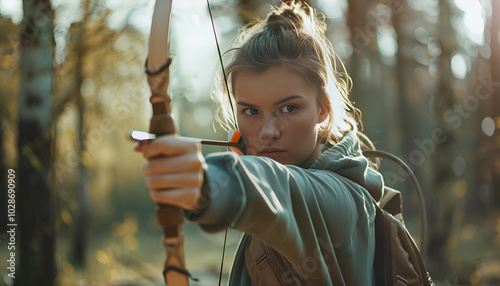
287, 207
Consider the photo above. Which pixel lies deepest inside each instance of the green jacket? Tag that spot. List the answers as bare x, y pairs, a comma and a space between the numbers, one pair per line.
306, 213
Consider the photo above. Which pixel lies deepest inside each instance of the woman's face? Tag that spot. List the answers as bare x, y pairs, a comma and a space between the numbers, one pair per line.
278, 115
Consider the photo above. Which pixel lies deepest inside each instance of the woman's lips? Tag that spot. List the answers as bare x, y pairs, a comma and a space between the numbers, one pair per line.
271, 152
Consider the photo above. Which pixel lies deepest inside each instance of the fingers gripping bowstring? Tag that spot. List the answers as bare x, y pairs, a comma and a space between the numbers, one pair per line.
222, 65
234, 118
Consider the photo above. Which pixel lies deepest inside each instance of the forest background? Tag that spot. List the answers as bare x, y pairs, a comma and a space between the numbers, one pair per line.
425, 73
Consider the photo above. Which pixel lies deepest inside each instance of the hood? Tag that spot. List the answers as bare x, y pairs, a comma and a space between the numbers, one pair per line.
346, 159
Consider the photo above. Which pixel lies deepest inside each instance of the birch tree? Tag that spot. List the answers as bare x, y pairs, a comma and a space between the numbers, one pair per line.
35, 203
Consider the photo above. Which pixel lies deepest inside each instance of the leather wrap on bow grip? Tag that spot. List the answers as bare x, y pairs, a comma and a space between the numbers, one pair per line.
169, 217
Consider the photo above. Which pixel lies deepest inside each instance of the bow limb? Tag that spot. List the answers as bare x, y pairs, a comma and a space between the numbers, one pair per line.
158, 38
169, 217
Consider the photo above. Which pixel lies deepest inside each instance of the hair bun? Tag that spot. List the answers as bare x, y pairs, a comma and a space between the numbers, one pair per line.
286, 18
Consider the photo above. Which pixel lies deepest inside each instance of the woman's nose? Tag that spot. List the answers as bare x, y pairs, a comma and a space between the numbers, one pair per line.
270, 129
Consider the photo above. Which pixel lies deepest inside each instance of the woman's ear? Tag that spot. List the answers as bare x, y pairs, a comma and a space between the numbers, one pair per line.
324, 108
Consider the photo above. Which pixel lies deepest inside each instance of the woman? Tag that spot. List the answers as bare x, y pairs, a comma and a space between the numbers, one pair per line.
301, 194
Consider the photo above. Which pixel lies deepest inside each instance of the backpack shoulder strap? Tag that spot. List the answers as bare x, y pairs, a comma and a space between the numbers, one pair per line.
416, 187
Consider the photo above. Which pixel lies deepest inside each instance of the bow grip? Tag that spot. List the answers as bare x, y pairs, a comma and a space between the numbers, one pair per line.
169, 217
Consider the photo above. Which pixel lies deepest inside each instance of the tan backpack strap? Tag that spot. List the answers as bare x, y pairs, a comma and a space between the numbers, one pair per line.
392, 202
266, 266
257, 264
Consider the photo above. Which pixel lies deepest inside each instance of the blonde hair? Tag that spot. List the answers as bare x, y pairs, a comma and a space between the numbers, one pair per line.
294, 35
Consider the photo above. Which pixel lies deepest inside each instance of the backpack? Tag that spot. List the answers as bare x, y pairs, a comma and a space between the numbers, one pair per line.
398, 260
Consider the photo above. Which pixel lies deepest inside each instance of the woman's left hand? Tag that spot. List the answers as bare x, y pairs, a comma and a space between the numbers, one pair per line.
174, 172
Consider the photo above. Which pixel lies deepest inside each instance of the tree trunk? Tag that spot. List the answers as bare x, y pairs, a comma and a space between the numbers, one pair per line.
35, 204
3, 188
495, 100
442, 203
409, 98
372, 78
360, 41
82, 217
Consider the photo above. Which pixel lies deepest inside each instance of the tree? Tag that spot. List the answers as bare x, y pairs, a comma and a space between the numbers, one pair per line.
495, 79
35, 204
442, 203
9, 74
82, 217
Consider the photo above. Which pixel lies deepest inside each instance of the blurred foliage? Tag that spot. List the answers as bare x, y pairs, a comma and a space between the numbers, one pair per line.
422, 71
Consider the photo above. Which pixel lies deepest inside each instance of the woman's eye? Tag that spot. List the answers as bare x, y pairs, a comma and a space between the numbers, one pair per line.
289, 108
251, 111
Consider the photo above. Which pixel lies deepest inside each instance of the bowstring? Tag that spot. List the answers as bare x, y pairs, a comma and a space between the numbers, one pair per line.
222, 260
222, 65
234, 118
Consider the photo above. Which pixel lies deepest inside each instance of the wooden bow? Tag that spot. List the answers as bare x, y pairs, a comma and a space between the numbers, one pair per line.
169, 217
